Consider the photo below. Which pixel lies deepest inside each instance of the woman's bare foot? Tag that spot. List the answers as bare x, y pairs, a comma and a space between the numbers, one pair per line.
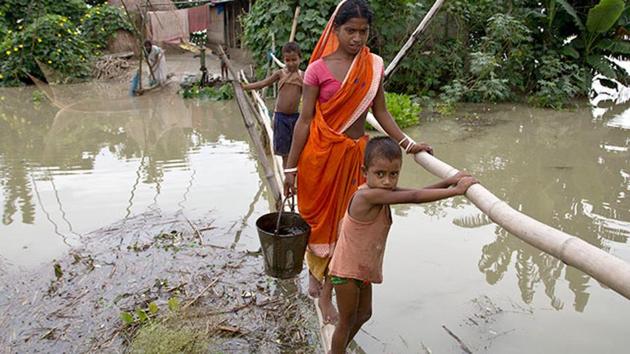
329, 312
314, 286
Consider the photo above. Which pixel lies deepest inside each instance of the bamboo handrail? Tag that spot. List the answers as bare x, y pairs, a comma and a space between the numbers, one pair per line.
265, 121
603, 267
247, 111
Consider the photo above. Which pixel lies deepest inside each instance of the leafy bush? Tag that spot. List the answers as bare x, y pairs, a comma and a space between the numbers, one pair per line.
558, 81
223, 92
100, 22
403, 109
275, 16
20, 12
52, 40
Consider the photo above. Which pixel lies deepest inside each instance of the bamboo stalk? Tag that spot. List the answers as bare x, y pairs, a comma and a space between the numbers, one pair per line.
263, 120
603, 267
413, 38
140, 39
248, 117
294, 25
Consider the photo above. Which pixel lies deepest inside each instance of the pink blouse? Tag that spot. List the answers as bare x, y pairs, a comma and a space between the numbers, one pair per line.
318, 74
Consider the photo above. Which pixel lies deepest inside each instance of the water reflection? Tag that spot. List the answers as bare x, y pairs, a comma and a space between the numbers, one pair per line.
557, 167
70, 161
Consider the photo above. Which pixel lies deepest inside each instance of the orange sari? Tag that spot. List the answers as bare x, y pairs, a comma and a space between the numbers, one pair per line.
329, 168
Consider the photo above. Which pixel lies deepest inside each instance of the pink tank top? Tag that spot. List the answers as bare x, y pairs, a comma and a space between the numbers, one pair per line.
361, 247
317, 74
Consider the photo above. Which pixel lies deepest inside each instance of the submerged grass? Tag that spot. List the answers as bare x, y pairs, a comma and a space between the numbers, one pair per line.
160, 337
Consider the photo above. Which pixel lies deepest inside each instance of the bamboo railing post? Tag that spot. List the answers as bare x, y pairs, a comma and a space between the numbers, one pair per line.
265, 121
413, 38
294, 25
603, 267
247, 111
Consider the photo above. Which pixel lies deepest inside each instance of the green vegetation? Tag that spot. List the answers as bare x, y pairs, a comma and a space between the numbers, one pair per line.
157, 338
275, 17
544, 52
58, 37
213, 93
51, 40
403, 108
153, 335
100, 22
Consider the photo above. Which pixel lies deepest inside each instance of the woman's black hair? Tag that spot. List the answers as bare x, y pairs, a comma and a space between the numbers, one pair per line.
354, 9
381, 147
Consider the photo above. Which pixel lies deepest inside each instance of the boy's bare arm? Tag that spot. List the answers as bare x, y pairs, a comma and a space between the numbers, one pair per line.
377, 196
263, 83
450, 181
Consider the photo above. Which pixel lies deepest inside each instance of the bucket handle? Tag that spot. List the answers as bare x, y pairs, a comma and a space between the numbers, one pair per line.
292, 206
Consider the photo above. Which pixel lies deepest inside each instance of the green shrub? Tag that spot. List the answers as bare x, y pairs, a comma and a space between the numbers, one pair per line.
52, 40
557, 82
100, 22
276, 16
24, 12
403, 109
223, 92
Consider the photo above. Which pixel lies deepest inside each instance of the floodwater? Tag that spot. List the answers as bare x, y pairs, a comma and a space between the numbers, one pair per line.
96, 157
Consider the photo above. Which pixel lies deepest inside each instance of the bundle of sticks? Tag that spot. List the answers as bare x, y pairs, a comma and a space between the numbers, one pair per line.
110, 67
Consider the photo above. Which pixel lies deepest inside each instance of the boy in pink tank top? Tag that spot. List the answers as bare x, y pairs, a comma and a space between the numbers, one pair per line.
357, 261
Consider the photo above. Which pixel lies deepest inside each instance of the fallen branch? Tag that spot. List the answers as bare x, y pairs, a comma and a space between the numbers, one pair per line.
234, 309
461, 344
195, 230
199, 295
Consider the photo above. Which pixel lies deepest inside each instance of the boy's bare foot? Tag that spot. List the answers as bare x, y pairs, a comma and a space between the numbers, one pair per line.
314, 286
329, 312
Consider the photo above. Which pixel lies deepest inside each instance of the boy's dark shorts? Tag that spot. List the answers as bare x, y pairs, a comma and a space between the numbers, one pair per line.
283, 125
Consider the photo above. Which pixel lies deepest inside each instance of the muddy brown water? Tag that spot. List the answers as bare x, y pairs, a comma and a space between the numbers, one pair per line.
104, 158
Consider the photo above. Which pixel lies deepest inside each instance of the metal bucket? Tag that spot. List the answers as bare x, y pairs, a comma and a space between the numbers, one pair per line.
283, 239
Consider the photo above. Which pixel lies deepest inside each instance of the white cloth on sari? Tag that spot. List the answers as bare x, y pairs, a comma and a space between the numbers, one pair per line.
157, 60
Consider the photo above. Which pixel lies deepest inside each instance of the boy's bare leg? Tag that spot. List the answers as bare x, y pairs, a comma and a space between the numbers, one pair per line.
348, 299
329, 312
364, 310
314, 286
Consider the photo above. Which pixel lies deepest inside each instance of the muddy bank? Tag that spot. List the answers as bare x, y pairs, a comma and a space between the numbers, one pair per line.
141, 264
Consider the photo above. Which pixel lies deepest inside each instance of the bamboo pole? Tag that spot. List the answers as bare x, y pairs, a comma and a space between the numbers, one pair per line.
277, 61
573, 251
140, 39
248, 117
294, 25
265, 121
413, 38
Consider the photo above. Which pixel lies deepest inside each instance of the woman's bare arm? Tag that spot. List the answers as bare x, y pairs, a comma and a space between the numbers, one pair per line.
300, 134
388, 123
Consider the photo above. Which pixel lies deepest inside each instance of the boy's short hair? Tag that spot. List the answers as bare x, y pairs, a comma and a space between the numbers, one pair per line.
291, 47
381, 147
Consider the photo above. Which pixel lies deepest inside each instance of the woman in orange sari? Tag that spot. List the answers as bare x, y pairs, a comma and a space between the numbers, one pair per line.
342, 82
